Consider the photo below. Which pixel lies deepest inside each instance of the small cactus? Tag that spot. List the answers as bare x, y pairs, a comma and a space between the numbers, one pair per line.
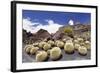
76, 46
55, 53
41, 56
28, 48
51, 42
82, 50
87, 45
41, 44
34, 50
69, 48
46, 46
60, 44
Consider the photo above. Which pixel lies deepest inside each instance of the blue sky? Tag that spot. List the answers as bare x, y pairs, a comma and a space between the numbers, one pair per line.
34, 18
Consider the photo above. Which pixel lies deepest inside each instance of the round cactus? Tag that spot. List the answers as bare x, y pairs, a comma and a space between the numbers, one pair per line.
51, 42
41, 44
60, 44
41, 56
28, 48
34, 50
80, 39
82, 50
46, 46
36, 44
76, 42
69, 48
57, 42
76, 46
87, 45
55, 53
64, 40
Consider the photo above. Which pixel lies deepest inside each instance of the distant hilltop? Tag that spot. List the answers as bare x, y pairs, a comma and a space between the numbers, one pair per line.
65, 32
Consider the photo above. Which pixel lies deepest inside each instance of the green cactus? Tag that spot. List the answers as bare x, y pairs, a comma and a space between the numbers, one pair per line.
68, 31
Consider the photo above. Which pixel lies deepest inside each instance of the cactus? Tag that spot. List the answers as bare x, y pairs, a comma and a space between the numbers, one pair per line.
41, 44
34, 50
46, 46
69, 48
27, 48
55, 53
41, 56
82, 50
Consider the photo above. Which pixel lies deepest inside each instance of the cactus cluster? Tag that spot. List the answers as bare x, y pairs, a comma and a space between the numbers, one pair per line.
53, 48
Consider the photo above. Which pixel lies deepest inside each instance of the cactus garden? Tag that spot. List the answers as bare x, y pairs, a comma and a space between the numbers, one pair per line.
71, 41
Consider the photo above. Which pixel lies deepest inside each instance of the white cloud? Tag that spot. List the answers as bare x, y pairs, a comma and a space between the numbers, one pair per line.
71, 22
51, 27
27, 24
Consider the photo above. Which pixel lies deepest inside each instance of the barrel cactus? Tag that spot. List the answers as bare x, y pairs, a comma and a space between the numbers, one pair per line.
46, 46
82, 50
41, 56
69, 47
55, 53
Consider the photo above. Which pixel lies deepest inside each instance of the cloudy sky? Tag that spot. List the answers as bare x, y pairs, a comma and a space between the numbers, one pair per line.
51, 21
